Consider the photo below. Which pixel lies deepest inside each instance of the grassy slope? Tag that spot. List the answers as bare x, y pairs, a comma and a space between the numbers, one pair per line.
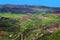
44, 21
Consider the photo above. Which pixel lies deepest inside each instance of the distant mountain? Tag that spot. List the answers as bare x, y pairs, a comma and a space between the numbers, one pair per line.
27, 9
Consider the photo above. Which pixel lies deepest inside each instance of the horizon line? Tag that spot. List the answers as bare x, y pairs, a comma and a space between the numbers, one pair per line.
28, 5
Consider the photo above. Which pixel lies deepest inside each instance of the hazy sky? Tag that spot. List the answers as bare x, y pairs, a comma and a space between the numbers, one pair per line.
53, 3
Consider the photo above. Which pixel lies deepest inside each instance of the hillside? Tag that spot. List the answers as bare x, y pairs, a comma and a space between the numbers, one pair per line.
27, 9
16, 22
29, 27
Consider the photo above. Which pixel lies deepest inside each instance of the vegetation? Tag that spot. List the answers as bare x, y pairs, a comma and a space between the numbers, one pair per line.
29, 27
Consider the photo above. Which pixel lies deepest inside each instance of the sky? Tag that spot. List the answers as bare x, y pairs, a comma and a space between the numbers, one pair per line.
51, 3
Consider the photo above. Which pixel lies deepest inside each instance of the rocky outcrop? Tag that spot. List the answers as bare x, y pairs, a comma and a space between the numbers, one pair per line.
50, 28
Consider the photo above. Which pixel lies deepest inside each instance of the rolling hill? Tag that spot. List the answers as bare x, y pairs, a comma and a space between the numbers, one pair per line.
28, 9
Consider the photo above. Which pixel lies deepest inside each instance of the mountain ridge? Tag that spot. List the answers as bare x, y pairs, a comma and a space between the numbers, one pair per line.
18, 9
